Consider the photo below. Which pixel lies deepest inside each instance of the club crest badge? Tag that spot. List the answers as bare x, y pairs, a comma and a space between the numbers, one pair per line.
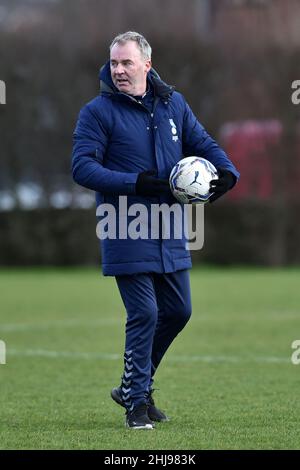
173, 130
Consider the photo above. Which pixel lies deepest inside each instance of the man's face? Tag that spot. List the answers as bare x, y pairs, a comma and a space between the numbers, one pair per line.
128, 68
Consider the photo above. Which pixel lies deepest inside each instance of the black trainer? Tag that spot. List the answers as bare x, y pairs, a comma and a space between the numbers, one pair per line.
154, 413
138, 418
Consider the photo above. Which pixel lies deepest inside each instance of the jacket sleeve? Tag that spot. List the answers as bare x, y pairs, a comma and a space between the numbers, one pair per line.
90, 140
196, 141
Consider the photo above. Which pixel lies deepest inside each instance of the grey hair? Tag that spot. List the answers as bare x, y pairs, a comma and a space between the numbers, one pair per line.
141, 42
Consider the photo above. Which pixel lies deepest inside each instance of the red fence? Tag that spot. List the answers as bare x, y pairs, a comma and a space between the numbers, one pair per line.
253, 147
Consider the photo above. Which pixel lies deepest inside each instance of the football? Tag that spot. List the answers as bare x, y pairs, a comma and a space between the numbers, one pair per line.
190, 180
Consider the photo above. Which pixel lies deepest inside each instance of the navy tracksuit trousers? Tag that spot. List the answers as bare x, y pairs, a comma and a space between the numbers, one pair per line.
158, 306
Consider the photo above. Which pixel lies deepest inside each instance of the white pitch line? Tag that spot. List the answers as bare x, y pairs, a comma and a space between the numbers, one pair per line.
113, 357
61, 354
8, 327
99, 322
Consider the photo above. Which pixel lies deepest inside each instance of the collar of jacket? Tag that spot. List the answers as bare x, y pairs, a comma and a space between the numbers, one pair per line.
160, 88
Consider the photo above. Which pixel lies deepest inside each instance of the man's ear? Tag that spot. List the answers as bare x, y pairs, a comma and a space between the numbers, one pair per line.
148, 65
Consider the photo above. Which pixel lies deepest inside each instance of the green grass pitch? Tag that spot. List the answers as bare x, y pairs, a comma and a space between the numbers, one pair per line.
227, 382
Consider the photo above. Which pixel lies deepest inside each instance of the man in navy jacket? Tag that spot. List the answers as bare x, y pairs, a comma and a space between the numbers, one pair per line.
126, 142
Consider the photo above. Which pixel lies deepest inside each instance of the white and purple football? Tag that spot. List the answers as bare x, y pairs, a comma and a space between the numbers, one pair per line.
190, 180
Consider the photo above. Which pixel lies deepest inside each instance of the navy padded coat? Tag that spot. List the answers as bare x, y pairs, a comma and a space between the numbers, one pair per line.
115, 139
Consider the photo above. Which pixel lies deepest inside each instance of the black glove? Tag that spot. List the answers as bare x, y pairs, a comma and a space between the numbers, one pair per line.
225, 182
148, 185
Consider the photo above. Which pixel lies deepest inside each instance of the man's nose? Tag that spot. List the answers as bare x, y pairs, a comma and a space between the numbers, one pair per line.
119, 69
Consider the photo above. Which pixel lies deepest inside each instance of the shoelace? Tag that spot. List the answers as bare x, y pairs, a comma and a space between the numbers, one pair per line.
139, 411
